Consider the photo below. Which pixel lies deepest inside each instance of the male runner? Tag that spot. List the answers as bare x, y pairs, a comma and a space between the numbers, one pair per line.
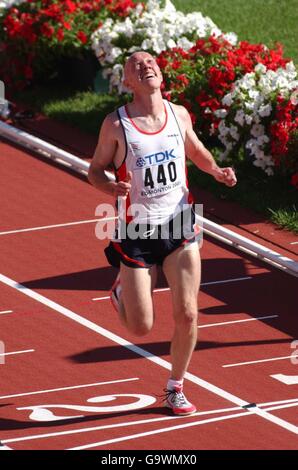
147, 142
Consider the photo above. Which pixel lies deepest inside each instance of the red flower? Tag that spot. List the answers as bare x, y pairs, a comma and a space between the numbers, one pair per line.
82, 37
60, 34
66, 25
47, 30
183, 78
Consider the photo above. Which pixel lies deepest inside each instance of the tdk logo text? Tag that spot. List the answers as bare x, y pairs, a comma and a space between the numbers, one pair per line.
155, 158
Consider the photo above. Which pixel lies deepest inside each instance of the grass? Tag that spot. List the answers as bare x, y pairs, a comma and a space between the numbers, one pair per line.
264, 21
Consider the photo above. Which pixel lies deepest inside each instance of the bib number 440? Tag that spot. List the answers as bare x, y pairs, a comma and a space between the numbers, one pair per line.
163, 175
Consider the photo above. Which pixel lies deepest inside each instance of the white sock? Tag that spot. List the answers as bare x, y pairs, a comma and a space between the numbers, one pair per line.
172, 383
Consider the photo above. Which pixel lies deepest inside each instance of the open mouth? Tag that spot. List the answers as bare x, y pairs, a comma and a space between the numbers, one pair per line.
148, 76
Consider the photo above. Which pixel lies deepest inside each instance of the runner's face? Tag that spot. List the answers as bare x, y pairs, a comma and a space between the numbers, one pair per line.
142, 70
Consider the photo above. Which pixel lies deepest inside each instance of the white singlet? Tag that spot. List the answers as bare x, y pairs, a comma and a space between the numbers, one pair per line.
157, 162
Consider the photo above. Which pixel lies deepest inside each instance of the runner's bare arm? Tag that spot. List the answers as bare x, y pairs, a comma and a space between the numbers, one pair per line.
201, 157
104, 155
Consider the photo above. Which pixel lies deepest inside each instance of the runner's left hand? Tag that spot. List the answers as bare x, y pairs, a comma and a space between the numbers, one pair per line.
226, 176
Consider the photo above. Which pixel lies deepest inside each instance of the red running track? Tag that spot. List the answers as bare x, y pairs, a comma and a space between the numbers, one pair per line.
65, 351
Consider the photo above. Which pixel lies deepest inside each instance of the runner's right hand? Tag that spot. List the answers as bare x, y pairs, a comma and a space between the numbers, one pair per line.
123, 187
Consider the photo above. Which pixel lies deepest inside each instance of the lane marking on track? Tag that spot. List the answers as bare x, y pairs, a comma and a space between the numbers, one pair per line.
162, 430
3, 447
17, 352
209, 325
294, 243
68, 224
286, 379
164, 289
260, 360
276, 406
146, 354
72, 387
5, 311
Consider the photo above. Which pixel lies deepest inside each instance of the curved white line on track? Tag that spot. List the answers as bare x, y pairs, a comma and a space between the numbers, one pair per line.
146, 354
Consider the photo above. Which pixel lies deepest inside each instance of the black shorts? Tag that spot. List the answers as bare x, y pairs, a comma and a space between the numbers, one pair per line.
152, 243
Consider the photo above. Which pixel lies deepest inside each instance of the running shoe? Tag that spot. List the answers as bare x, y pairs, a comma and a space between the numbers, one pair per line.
115, 293
176, 400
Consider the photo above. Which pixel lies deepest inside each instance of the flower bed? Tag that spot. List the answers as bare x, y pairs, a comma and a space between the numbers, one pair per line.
35, 33
153, 27
245, 95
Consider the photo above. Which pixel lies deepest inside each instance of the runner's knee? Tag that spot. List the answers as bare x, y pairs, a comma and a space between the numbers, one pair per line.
141, 328
186, 315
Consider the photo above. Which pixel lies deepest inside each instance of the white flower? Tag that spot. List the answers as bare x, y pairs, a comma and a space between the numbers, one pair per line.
248, 119
240, 117
294, 97
184, 43
227, 99
265, 110
262, 139
154, 28
257, 130
10, 3
234, 133
232, 38
221, 113
260, 68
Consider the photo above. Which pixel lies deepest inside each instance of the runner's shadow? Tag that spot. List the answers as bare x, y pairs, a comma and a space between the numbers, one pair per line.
99, 279
119, 353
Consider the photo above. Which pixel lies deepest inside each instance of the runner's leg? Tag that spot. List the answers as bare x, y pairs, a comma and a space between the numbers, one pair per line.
136, 305
183, 272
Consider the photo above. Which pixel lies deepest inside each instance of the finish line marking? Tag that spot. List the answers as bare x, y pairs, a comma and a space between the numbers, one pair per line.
171, 428
143, 353
277, 405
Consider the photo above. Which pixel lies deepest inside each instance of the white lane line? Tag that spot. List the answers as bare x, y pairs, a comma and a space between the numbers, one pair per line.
119, 425
2, 312
261, 360
294, 243
172, 428
3, 447
286, 379
143, 353
277, 405
237, 321
17, 352
68, 224
156, 431
67, 388
164, 289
